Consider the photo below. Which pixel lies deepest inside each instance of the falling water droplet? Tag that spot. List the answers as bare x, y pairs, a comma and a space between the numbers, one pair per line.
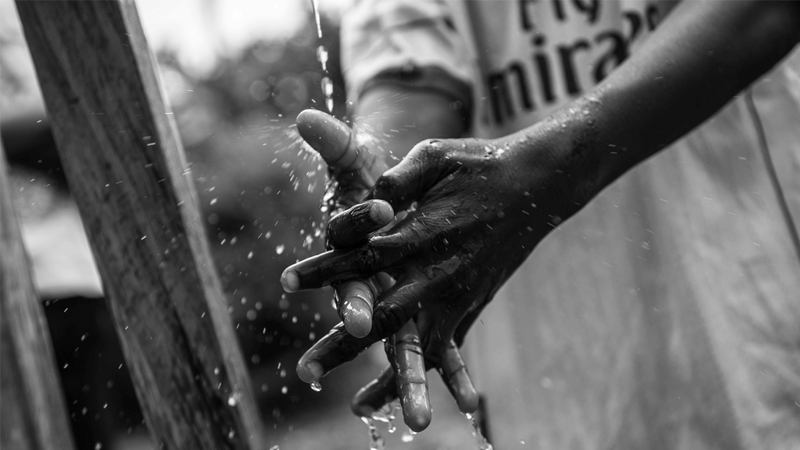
315, 386
232, 400
480, 439
376, 441
322, 57
279, 249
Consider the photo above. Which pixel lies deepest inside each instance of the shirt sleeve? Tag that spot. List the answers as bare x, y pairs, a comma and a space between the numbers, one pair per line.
412, 43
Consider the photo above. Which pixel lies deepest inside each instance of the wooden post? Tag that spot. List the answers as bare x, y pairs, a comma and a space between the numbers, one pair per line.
127, 171
33, 414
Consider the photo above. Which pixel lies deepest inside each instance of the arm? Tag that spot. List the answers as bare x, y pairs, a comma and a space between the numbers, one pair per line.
415, 113
683, 74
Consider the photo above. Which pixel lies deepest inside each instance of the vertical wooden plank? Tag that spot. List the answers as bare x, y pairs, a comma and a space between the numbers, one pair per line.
126, 168
33, 413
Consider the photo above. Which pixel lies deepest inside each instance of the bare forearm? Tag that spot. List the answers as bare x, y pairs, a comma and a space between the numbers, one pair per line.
700, 58
400, 118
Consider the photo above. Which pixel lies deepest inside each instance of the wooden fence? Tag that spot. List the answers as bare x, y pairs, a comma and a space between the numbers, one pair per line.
127, 171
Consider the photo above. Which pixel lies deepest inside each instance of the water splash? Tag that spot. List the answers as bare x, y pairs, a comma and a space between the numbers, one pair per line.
376, 441
480, 439
387, 414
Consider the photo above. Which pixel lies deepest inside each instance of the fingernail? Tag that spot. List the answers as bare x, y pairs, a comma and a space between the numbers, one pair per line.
328, 136
381, 212
416, 406
357, 317
310, 372
289, 281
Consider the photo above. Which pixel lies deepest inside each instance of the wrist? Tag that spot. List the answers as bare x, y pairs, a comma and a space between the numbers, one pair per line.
563, 155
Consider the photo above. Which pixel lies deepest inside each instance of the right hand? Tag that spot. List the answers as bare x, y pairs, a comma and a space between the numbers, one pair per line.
353, 168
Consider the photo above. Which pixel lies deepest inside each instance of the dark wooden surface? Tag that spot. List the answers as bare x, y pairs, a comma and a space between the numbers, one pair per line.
127, 171
33, 414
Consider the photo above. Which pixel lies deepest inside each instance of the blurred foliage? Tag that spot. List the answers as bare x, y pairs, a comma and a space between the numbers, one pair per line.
259, 191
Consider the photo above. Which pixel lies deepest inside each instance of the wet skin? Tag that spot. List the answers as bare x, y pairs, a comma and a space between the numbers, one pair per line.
355, 297
470, 203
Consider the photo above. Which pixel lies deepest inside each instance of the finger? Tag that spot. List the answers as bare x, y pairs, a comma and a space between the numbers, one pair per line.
411, 178
352, 226
335, 266
438, 325
393, 309
454, 373
383, 390
319, 359
374, 395
356, 298
404, 350
333, 140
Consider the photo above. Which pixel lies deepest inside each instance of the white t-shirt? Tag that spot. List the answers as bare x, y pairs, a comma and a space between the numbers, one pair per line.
522, 60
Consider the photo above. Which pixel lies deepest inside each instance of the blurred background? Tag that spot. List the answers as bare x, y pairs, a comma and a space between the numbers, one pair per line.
237, 73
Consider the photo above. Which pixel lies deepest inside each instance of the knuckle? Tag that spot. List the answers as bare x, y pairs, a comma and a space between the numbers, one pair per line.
388, 318
386, 183
367, 260
429, 149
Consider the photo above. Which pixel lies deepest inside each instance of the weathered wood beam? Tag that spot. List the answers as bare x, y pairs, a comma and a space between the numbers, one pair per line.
127, 171
33, 414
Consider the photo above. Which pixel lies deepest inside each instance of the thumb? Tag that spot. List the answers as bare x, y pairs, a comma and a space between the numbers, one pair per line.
333, 140
423, 167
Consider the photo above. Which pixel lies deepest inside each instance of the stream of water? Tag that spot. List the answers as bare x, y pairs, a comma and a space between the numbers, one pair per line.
322, 57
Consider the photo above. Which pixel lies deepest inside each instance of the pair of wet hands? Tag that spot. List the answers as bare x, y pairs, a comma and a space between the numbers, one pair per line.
416, 252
